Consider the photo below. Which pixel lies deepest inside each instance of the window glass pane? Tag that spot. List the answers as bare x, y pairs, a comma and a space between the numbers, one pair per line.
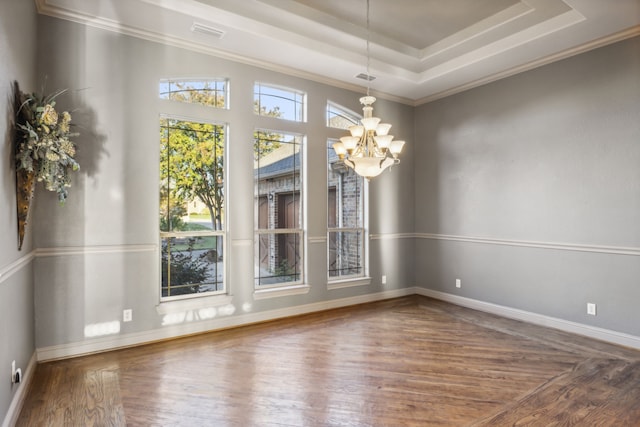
278, 102
278, 207
339, 117
212, 93
345, 218
279, 258
345, 253
191, 265
191, 175
345, 194
277, 172
192, 201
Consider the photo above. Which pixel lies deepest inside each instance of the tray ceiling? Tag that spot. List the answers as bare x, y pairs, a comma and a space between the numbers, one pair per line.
420, 49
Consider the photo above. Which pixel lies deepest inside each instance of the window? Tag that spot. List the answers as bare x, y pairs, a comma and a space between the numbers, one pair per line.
212, 93
346, 220
283, 103
192, 201
340, 117
278, 207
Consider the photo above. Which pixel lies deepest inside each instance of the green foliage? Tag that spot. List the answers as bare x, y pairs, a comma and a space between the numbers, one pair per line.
204, 94
192, 164
192, 158
265, 142
186, 272
171, 212
285, 271
262, 110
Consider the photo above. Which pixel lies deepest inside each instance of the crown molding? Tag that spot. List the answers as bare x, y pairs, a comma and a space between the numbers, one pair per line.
548, 23
594, 44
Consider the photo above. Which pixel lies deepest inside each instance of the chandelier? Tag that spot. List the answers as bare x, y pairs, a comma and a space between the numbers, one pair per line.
369, 150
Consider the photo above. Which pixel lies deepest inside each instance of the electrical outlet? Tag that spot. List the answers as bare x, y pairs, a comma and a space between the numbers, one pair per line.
127, 315
384, 280
591, 308
458, 283
16, 374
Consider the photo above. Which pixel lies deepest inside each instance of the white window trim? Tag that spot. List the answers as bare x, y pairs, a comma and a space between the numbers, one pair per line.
337, 106
281, 291
227, 96
363, 279
348, 283
298, 286
193, 302
176, 300
303, 119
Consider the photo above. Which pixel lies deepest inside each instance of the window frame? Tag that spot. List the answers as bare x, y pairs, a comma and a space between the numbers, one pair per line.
223, 232
225, 91
299, 232
349, 115
361, 278
302, 103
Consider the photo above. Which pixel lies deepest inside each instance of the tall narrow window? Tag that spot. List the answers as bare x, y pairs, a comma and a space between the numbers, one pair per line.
346, 220
279, 102
212, 92
278, 254
192, 207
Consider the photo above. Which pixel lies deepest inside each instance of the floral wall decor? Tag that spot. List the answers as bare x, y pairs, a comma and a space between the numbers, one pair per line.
44, 151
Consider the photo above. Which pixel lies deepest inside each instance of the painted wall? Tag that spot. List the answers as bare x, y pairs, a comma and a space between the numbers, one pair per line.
98, 254
542, 166
17, 50
547, 160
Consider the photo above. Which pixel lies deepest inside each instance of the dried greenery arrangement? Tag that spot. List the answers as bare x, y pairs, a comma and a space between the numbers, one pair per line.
44, 146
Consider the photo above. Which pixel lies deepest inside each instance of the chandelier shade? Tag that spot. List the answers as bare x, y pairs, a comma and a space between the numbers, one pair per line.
369, 149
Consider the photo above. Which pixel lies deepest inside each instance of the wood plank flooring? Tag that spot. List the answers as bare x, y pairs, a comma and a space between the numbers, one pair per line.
411, 361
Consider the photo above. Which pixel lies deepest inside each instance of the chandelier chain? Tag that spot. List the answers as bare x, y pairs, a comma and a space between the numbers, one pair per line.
369, 149
368, 51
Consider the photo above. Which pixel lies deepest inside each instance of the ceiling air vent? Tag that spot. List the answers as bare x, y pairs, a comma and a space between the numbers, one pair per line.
367, 77
207, 30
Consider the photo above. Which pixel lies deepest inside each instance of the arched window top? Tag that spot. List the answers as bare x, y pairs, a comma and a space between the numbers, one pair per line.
209, 92
340, 117
279, 102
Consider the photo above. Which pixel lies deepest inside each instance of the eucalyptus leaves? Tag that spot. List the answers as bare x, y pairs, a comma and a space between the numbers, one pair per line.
43, 146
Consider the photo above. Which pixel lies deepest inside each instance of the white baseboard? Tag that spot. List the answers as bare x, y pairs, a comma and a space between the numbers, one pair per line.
11, 418
187, 328
607, 335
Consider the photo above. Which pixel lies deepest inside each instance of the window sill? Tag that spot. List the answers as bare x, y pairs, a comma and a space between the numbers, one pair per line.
196, 303
280, 291
349, 283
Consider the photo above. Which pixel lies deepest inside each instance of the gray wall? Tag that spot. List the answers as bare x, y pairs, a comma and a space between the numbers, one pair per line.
547, 156
98, 259
17, 50
550, 156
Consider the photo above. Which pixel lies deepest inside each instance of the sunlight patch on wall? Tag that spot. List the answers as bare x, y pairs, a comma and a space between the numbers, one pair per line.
101, 329
189, 316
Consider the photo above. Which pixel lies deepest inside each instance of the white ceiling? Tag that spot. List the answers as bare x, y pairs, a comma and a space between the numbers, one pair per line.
420, 50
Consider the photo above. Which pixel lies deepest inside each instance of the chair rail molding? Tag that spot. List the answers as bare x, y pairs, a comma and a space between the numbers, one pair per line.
15, 266
578, 247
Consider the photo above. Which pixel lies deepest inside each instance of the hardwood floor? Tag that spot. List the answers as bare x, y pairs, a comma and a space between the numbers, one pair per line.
411, 361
